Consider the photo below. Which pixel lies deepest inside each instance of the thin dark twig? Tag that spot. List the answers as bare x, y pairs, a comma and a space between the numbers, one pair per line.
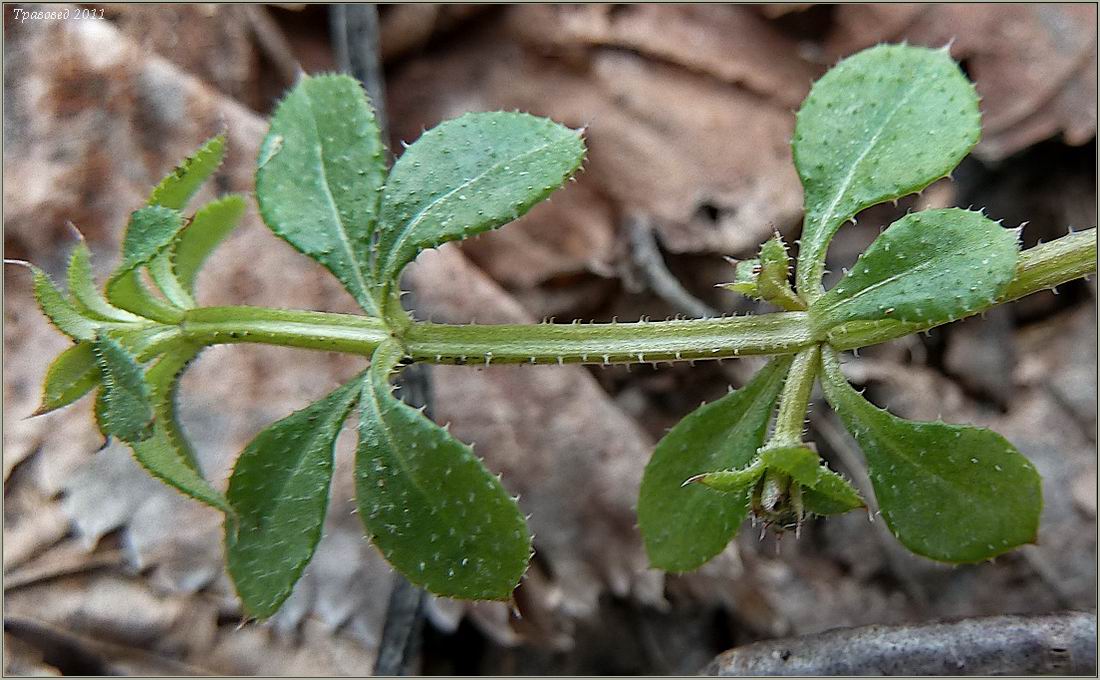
356, 43
272, 42
1052, 644
646, 254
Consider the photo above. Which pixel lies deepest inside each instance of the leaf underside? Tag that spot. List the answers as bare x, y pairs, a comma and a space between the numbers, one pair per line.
881, 124
279, 490
685, 526
320, 175
427, 501
954, 493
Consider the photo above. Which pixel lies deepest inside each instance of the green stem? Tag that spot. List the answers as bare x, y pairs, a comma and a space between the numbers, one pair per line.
795, 399
685, 340
609, 343
1045, 266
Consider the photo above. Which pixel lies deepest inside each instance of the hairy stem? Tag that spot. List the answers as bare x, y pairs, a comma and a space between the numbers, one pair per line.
795, 399
1042, 267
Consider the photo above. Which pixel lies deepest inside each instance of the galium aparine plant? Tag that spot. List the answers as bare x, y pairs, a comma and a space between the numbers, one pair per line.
882, 124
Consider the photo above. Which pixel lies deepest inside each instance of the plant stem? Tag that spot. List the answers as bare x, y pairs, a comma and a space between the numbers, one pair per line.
795, 399
1042, 267
639, 342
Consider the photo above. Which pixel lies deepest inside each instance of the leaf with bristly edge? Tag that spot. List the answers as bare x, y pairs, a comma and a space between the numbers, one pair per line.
929, 267
279, 491
127, 409
150, 232
954, 493
72, 374
209, 227
175, 190
166, 454
85, 292
320, 175
428, 503
685, 526
467, 176
881, 124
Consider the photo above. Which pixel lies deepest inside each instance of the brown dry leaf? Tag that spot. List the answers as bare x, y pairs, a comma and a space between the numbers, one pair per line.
730, 43
715, 176
1034, 64
405, 28
212, 42
584, 519
114, 141
21, 658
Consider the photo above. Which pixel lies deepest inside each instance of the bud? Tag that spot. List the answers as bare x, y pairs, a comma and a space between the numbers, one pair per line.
777, 501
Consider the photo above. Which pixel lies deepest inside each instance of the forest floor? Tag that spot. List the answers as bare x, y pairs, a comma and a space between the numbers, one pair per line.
688, 110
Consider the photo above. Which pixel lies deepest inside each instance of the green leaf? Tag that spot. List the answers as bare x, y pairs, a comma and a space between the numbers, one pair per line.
175, 190
953, 493
774, 283
166, 454
731, 481
467, 176
164, 275
881, 124
320, 175
151, 230
127, 409
929, 267
53, 303
209, 227
428, 503
279, 490
83, 288
684, 526
71, 375
832, 494
746, 275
